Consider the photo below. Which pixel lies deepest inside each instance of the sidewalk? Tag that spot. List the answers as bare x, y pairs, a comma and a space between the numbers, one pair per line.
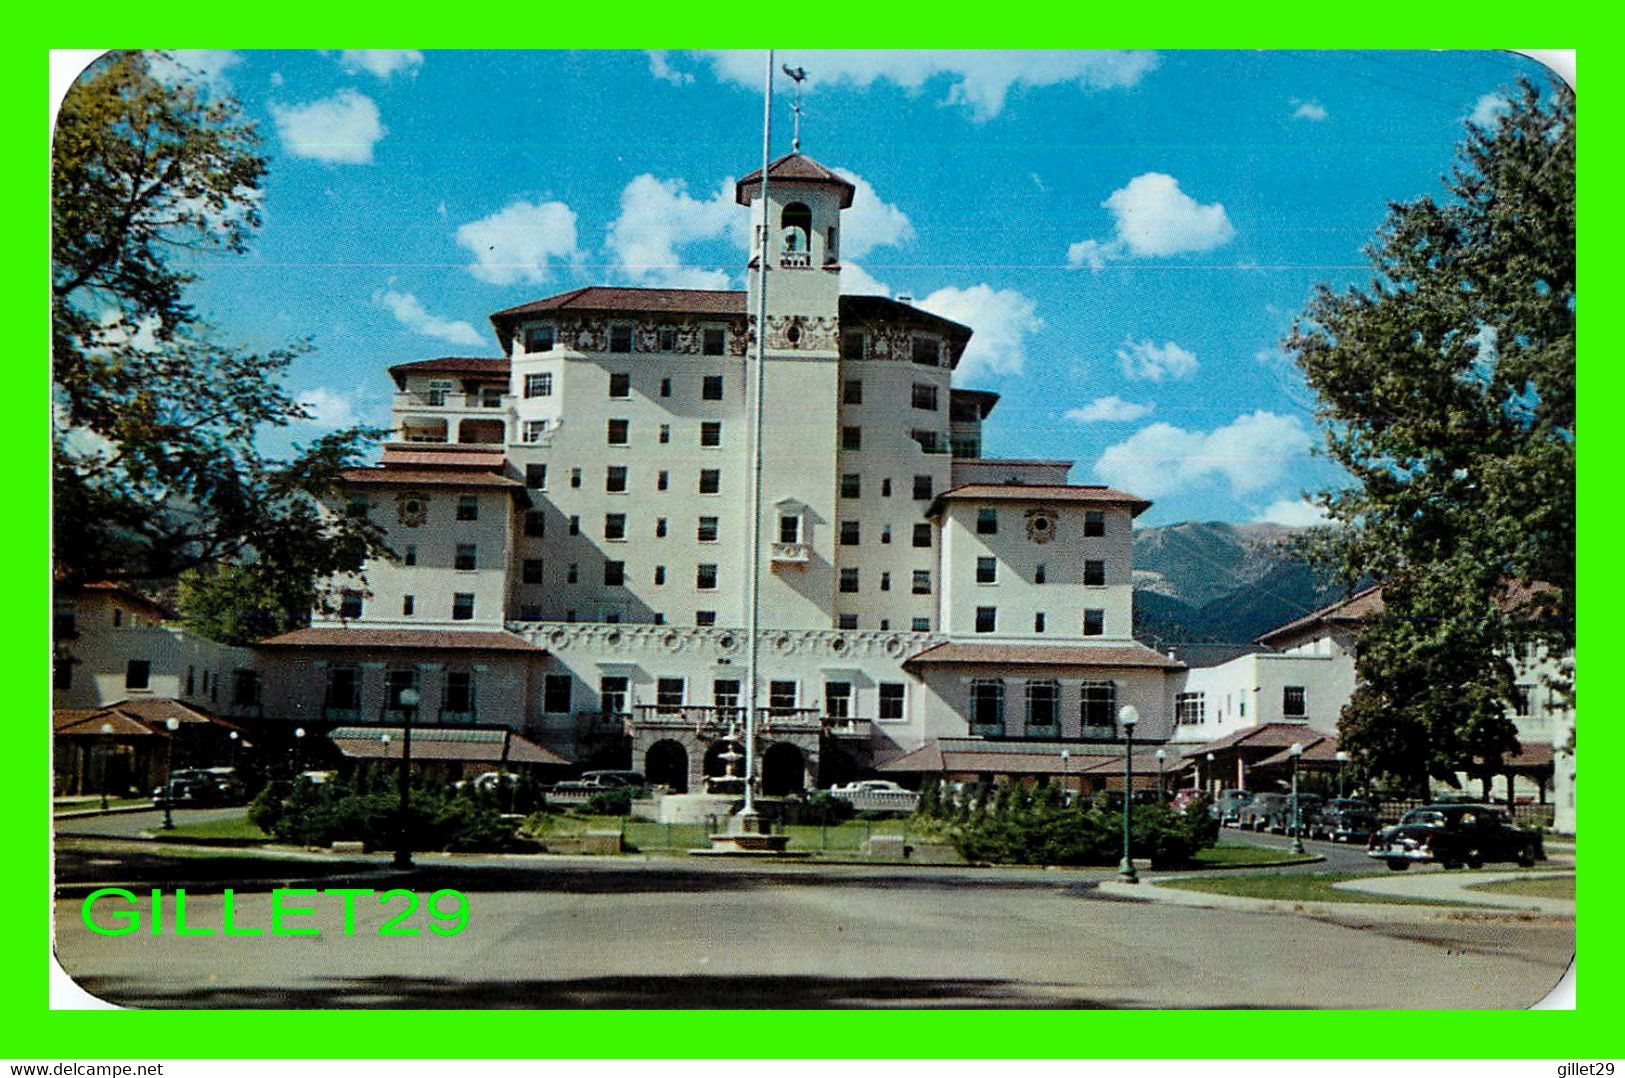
1458, 887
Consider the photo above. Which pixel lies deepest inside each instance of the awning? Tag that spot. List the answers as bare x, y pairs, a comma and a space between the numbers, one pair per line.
446, 744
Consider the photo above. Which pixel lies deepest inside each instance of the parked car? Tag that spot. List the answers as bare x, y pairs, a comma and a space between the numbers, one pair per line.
1257, 812
198, 787
1455, 834
610, 780
1345, 819
868, 786
1227, 807
179, 792
1306, 808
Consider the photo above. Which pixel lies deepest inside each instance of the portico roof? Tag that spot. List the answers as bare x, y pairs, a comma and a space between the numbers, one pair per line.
448, 744
420, 639
1072, 655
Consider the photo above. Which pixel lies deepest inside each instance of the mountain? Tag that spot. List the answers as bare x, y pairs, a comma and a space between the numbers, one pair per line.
1206, 591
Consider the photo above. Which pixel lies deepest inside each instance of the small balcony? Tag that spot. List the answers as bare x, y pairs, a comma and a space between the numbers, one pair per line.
795, 260
798, 554
845, 727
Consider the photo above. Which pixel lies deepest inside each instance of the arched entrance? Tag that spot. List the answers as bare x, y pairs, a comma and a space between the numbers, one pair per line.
836, 767
784, 770
666, 764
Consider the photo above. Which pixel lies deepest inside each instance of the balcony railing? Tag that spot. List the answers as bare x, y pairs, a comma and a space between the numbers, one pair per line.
792, 553
712, 720
795, 260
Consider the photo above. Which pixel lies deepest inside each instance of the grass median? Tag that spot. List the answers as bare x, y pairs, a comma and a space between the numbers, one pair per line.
236, 830
1543, 887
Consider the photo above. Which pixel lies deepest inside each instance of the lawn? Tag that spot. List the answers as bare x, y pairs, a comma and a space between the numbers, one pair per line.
1295, 887
235, 829
1546, 887
112, 803
1226, 854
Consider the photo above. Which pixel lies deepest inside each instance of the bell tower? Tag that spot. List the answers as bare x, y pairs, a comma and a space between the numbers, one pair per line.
801, 240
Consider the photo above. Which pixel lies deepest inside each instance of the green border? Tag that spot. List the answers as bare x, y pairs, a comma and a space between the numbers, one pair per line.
1589, 1032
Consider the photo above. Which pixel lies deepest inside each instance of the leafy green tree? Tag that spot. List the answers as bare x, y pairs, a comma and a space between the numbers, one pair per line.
1446, 389
155, 465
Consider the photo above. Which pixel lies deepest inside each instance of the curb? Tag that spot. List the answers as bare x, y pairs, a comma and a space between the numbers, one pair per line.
1151, 891
83, 814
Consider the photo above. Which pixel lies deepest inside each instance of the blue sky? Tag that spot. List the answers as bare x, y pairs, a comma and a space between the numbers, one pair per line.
1130, 234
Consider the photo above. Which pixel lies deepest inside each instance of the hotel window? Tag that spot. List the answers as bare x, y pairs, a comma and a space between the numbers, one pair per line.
838, 699
852, 438
1040, 573
491, 397
852, 392
713, 343
1522, 696
137, 673
922, 488
660, 575
1094, 623
921, 625
539, 385
852, 346
457, 699
666, 339
665, 387
467, 558
710, 434
617, 431
885, 582
851, 532
575, 478
534, 429
925, 397
1094, 522
535, 524
462, 606
1038, 622
411, 555
710, 481
614, 526
620, 338
670, 694
396, 682
614, 574
349, 604
532, 571
849, 580
885, 534
925, 439
987, 522
705, 618
615, 479
885, 487
851, 485
439, 391
660, 527
781, 697
620, 385
468, 507
1190, 708
987, 570
922, 582
707, 530
1094, 572
538, 339
572, 573
662, 480
1292, 702
536, 476
892, 697
922, 535
1043, 703
612, 695
846, 621
343, 689
705, 577
987, 702
574, 526
790, 528
725, 693
926, 351
664, 438
556, 693
711, 388
408, 605
1098, 704
987, 619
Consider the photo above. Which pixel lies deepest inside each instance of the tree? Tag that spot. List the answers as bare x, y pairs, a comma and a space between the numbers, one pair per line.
1446, 389
155, 465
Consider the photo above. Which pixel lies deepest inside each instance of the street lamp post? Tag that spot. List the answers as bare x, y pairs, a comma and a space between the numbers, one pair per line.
1342, 773
403, 847
1297, 807
107, 728
1128, 716
171, 725
1161, 756
1066, 791
298, 750
1210, 772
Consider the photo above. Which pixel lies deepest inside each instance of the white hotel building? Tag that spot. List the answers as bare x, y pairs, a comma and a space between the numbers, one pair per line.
570, 529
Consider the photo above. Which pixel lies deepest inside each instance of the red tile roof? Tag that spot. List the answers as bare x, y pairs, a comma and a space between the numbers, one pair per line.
1271, 735
125, 592
661, 300
425, 477
1038, 492
455, 744
1134, 655
133, 718
425, 639
1356, 608
481, 367
793, 168
882, 309
450, 455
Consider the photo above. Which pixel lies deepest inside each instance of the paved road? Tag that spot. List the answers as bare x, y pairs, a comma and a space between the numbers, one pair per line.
694, 934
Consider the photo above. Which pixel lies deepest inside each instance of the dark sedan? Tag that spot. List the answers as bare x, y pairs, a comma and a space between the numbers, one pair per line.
1455, 835
1345, 819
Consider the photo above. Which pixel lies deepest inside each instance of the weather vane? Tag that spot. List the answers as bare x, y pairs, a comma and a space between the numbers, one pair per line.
798, 75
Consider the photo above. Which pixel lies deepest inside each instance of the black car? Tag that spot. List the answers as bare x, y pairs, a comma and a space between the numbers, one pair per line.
1454, 835
1260, 813
1345, 819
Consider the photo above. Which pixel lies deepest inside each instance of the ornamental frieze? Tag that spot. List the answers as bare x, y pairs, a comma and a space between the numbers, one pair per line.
599, 638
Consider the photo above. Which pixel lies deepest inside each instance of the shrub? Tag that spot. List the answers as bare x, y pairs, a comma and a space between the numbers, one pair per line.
312, 815
1037, 829
614, 802
822, 807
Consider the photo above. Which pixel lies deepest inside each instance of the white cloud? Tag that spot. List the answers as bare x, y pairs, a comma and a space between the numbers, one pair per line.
411, 314
328, 408
871, 221
342, 129
856, 281
660, 67
382, 62
1293, 512
978, 79
1309, 110
520, 242
1154, 217
182, 66
1488, 109
1112, 409
1002, 320
1251, 454
659, 216
1145, 361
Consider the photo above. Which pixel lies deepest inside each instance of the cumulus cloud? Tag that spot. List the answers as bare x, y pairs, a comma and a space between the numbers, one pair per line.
1154, 217
1309, 110
1488, 109
521, 242
1252, 453
341, 129
1293, 512
978, 80
409, 312
659, 216
328, 408
856, 281
1002, 319
1112, 409
177, 67
382, 62
871, 221
660, 67
1148, 362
